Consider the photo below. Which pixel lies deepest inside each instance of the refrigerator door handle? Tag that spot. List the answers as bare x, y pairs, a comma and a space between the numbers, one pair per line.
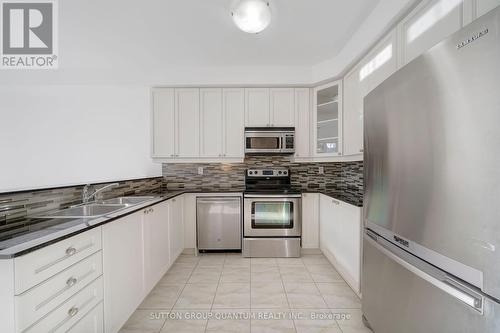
436, 277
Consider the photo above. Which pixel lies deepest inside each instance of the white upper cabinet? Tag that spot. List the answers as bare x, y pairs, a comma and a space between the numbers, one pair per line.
377, 66
163, 123
302, 123
257, 107
187, 104
428, 24
233, 104
327, 119
282, 107
211, 122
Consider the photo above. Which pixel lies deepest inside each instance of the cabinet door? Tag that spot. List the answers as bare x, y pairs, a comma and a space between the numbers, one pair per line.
211, 122
427, 25
282, 107
163, 123
234, 122
156, 243
302, 123
340, 238
310, 221
187, 102
123, 268
176, 227
377, 66
327, 119
257, 107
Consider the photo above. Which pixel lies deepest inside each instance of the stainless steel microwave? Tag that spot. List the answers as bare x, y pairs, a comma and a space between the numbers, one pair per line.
266, 140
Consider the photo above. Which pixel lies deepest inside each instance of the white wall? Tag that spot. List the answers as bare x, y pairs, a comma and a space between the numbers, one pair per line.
67, 134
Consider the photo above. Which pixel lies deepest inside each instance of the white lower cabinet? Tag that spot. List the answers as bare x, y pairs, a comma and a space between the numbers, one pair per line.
310, 221
72, 311
137, 251
123, 268
176, 227
340, 238
156, 243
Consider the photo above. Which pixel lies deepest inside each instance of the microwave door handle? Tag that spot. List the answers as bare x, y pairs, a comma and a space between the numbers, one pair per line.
281, 143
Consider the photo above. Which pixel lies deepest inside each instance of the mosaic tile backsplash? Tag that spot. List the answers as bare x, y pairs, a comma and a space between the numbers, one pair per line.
339, 176
17, 205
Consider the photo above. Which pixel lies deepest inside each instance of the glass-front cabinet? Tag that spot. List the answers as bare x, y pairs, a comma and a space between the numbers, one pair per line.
328, 119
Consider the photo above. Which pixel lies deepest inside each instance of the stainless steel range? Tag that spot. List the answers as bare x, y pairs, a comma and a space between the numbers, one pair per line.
272, 223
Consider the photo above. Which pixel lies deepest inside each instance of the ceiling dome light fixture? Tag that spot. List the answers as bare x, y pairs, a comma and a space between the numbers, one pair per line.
252, 16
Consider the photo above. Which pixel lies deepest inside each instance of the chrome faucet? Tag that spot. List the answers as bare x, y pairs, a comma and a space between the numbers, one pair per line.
86, 196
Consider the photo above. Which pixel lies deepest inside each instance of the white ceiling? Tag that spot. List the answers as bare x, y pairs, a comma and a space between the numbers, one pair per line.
201, 32
167, 42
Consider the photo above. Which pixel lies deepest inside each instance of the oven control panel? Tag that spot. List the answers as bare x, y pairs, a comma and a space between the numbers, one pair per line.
268, 173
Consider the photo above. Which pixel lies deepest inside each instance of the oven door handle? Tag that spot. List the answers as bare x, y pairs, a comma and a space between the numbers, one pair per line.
273, 195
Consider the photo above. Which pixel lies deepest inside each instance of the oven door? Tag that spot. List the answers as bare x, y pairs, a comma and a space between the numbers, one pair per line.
263, 142
272, 216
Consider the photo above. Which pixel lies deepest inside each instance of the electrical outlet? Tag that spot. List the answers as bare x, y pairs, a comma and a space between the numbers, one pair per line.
200, 170
321, 170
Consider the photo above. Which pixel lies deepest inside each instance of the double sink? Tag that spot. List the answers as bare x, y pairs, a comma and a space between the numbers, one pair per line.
98, 208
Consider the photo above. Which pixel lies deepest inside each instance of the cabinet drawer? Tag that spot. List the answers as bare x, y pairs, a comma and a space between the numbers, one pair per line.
71, 311
92, 322
40, 265
40, 300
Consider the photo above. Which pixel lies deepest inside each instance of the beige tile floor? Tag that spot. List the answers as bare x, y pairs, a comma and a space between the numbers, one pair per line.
228, 293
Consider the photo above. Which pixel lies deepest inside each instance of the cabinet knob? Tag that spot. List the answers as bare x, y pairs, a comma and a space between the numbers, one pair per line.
335, 202
73, 311
70, 251
361, 150
71, 281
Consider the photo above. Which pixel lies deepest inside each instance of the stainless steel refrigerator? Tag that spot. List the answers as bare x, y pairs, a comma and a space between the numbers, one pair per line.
431, 247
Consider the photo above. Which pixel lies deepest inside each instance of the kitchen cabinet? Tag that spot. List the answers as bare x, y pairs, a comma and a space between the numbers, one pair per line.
266, 107
377, 66
176, 227
187, 106
163, 123
282, 107
327, 120
176, 121
484, 6
474, 9
257, 108
340, 231
428, 24
156, 243
123, 266
233, 105
302, 123
211, 122
310, 220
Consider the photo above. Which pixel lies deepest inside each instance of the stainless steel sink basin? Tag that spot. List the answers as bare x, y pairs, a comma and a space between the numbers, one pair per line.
127, 200
86, 211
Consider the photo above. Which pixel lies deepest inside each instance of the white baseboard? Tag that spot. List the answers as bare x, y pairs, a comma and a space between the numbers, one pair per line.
348, 278
310, 251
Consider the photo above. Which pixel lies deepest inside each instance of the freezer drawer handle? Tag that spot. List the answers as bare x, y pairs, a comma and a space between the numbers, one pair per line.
439, 280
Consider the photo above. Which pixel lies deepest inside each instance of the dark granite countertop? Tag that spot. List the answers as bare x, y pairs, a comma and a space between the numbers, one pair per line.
36, 233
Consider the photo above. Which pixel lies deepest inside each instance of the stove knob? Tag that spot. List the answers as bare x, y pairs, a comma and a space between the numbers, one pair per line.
285, 172
280, 172
250, 172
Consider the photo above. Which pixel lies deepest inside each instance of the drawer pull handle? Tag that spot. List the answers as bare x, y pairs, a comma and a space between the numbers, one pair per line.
70, 251
71, 281
73, 311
